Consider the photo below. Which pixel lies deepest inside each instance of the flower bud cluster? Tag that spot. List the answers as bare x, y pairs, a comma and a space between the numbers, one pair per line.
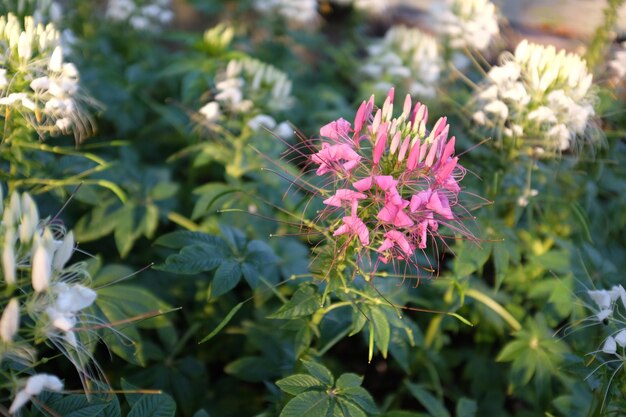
617, 64
394, 181
300, 12
142, 15
373, 7
405, 57
466, 23
252, 88
37, 83
541, 95
42, 287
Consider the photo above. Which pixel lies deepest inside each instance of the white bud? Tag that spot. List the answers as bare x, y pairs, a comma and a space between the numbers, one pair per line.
10, 321
8, 257
24, 47
41, 263
30, 218
56, 60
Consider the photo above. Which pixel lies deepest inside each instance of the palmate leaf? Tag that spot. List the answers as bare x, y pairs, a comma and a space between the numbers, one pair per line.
232, 257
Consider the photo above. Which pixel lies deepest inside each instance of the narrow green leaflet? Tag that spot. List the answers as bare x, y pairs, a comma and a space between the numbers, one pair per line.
348, 409
223, 323
432, 404
380, 327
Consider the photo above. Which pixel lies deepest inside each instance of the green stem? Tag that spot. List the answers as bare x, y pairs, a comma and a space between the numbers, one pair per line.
603, 35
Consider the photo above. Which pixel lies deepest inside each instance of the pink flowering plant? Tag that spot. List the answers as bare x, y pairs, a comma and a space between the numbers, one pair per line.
392, 182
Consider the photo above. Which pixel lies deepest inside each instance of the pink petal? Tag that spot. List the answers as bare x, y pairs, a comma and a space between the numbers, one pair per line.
385, 182
440, 205
411, 163
381, 143
448, 150
404, 148
419, 200
363, 185
336, 129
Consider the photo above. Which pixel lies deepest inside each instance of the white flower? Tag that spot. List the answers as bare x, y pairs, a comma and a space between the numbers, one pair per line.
63, 252
466, 23
297, 11
601, 297
547, 94
146, 15
10, 321
407, 57
620, 338
34, 386
70, 299
33, 57
498, 108
284, 130
260, 121
249, 83
211, 111
609, 347
618, 63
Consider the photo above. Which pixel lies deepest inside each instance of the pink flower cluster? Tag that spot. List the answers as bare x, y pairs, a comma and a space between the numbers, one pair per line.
396, 182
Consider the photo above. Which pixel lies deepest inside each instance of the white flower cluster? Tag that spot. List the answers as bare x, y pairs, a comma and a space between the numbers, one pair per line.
142, 15
374, 7
541, 95
618, 63
300, 12
405, 57
37, 82
466, 23
251, 87
34, 257
608, 302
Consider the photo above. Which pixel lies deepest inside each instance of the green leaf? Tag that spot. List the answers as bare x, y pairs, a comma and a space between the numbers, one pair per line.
180, 239
349, 380
382, 333
131, 398
193, 260
160, 405
360, 397
466, 408
320, 372
260, 253
252, 369
304, 302
226, 278
77, 406
251, 274
201, 413
432, 404
501, 260
299, 383
310, 404
223, 323
349, 409
125, 232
